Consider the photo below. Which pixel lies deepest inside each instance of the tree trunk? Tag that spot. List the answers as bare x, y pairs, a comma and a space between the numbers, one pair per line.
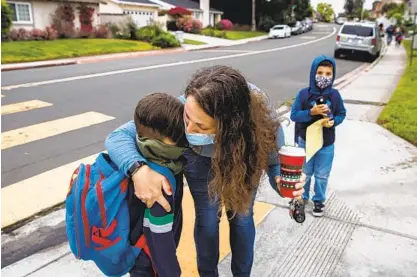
253, 15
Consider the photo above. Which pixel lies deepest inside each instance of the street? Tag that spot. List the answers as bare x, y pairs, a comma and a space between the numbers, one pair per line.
73, 108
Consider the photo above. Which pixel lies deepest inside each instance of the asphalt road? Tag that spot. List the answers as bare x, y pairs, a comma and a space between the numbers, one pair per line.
280, 67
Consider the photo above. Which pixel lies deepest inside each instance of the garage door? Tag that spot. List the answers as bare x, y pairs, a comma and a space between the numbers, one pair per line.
141, 18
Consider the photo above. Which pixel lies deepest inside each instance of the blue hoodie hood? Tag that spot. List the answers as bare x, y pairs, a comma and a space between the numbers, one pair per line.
314, 66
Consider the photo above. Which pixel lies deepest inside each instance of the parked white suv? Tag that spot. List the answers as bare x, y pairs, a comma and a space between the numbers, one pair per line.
358, 38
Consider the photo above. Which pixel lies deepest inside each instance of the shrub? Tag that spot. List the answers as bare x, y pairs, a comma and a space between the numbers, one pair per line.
148, 33
189, 25
266, 23
102, 32
113, 28
221, 34
50, 33
165, 40
63, 20
172, 25
20, 34
6, 19
131, 29
213, 33
13, 35
24, 34
37, 34
179, 12
86, 20
224, 24
208, 32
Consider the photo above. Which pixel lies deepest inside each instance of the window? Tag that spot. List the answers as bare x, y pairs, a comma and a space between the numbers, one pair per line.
362, 31
197, 15
21, 12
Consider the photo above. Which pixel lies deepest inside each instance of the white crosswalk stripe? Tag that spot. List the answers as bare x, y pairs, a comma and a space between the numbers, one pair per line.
51, 128
23, 106
48, 188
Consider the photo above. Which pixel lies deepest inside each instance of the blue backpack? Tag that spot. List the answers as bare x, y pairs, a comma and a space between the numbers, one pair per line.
97, 216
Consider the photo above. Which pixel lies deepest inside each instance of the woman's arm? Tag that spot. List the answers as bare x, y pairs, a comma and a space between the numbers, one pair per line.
121, 146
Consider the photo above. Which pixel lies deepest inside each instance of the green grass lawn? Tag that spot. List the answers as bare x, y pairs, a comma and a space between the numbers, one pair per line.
236, 35
28, 51
232, 35
193, 42
400, 115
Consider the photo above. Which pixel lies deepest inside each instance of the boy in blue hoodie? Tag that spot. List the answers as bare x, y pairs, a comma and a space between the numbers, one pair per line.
319, 100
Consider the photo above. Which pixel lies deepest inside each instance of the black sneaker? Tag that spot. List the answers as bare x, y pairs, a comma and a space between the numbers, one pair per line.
318, 209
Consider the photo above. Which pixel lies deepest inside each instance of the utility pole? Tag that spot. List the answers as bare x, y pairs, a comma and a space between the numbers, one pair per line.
253, 15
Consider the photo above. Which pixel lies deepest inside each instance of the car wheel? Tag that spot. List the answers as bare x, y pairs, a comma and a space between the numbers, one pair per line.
371, 58
337, 54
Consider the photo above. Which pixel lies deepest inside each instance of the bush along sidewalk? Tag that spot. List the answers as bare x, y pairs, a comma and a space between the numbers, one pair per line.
400, 115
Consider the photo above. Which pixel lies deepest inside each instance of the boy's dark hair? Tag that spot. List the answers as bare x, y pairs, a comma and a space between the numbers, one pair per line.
164, 115
326, 64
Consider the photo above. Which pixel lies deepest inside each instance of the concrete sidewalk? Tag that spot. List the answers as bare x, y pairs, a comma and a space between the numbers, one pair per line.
370, 226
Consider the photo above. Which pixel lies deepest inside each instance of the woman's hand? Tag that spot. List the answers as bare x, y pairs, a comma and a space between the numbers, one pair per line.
148, 187
299, 186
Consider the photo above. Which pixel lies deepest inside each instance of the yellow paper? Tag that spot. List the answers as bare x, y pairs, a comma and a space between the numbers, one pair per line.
314, 138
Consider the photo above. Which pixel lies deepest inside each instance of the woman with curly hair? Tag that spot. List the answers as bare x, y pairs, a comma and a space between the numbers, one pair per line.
232, 131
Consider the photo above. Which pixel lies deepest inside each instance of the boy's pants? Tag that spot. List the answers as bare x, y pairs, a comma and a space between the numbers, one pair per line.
320, 166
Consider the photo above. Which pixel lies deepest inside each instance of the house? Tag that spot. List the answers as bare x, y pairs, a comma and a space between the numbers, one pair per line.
35, 14
142, 12
200, 10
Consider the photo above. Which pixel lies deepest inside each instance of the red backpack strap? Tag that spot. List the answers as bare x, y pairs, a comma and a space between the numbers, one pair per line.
141, 243
73, 177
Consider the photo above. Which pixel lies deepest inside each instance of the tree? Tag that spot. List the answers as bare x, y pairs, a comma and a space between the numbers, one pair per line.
302, 9
395, 11
253, 15
349, 7
358, 8
6, 19
326, 11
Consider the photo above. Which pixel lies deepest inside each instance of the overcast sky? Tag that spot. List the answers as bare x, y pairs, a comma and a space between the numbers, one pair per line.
338, 4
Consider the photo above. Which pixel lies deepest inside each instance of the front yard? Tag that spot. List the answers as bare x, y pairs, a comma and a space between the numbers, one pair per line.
400, 115
28, 51
193, 42
231, 34
236, 35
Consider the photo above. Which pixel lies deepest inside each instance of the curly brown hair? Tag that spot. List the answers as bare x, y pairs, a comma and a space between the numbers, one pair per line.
246, 134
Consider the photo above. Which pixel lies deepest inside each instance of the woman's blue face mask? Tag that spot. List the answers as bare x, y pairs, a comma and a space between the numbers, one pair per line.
199, 139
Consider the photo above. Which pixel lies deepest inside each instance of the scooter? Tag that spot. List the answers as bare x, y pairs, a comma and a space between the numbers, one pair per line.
297, 210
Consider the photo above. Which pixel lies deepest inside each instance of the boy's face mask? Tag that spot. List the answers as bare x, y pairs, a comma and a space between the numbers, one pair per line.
323, 82
161, 153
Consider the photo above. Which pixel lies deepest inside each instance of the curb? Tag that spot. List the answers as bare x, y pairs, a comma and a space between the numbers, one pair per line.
22, 67
353, 75
204, 48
